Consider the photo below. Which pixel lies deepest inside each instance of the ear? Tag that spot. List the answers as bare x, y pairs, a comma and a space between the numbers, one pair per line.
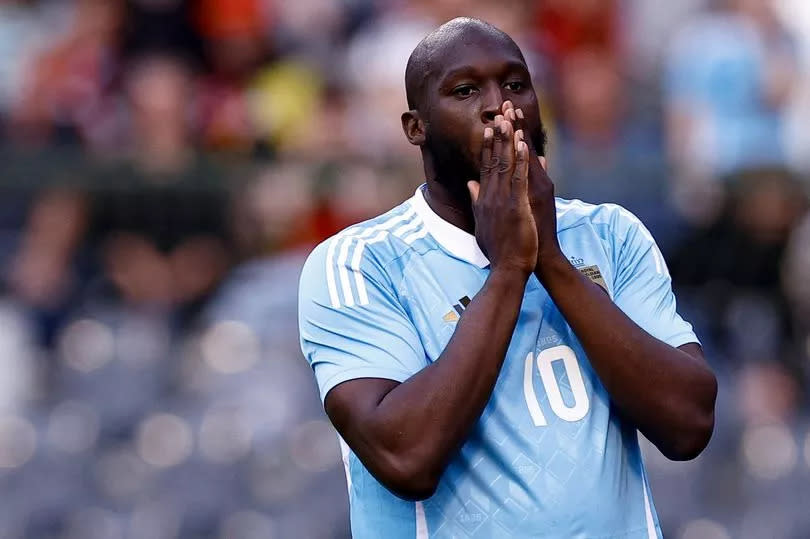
414, 127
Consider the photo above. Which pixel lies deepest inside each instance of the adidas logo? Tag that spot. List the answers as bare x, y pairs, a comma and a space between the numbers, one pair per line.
454, 314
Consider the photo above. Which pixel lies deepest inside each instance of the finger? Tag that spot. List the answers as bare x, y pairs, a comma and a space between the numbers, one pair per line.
474, 188
486, 157
508, 138
520, 124
520, 176
510, 115
508, 111
507, 157
520, 119
498, 152
517, 138
486, 146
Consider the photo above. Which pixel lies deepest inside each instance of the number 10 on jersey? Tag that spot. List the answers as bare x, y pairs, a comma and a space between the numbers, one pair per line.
545, 366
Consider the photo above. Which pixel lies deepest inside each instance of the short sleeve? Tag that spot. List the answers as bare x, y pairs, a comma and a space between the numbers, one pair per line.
351, 323
643, 287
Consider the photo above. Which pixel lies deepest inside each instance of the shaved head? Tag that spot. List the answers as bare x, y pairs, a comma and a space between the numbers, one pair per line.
426, 60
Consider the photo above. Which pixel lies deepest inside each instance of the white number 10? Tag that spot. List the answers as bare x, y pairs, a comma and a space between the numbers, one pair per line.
545, 367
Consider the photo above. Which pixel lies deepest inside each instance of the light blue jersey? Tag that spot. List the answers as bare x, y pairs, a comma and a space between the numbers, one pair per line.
549, 456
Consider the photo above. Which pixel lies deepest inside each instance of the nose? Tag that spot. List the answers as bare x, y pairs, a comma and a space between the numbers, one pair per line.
491, 102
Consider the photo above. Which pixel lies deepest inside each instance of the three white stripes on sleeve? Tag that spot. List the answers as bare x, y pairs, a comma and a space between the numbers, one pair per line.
410, 229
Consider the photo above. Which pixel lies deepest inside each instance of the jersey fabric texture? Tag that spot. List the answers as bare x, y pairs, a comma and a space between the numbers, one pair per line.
549, 456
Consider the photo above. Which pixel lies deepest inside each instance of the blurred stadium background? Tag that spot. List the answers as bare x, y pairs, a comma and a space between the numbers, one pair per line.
165, 166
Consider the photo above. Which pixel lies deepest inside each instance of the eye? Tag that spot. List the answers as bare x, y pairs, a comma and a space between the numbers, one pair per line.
465, 90
514, 86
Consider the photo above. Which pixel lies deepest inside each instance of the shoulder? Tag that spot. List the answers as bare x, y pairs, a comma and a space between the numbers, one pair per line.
368, 249
606, 219
381, 239
623, 236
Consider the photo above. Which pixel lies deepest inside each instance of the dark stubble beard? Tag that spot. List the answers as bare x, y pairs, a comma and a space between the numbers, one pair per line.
452, 166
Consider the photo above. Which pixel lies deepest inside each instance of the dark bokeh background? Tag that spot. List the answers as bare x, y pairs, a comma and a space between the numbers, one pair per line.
165, 166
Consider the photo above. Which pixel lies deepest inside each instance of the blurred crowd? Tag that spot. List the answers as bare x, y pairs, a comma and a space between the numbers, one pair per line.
167, 165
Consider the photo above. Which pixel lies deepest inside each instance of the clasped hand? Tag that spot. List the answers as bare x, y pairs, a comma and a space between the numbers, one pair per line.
513, 200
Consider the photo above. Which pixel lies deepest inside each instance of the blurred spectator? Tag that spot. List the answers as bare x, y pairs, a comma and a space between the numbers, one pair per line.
644, 30
160, 93
66, 97
729, 75
158, 219
375, 66
235, 48
603, 152
733, 269
246, 105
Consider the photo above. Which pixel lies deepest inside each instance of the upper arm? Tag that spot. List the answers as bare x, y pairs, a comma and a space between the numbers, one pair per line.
642, 284
350, 404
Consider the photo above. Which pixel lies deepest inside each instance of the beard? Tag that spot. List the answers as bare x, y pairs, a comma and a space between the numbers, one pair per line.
454, 166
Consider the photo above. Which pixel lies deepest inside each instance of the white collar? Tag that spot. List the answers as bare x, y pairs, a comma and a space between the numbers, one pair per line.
455, 241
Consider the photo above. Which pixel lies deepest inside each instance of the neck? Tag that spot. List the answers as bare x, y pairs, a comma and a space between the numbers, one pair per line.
442, 202
445, 203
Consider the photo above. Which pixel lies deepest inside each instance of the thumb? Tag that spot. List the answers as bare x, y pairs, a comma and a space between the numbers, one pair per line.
474, 187
543, 164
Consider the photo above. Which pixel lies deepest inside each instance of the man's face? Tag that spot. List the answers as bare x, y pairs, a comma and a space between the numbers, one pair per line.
473, 79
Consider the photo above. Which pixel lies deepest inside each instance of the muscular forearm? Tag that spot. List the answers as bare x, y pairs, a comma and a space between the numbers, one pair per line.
667, 393
418, 426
